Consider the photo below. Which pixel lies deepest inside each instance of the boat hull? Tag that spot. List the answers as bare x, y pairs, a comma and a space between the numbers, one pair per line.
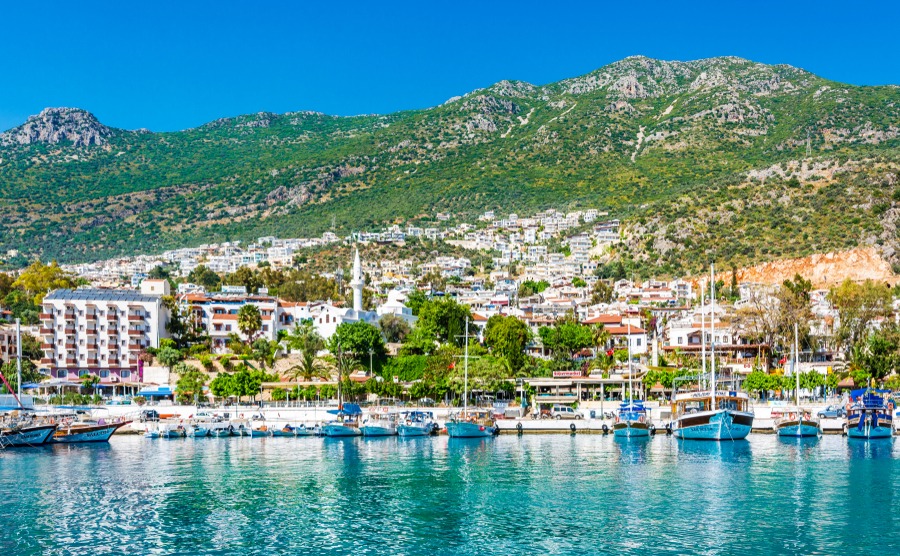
631, 429
95, 433
414, 430
200, 433
27, 436
884, 428
469, 430
334, 431
375, 430
281, 432
798, 429
223, 433
714, 425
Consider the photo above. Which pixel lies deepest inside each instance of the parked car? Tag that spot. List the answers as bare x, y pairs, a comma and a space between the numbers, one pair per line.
149, 415
564, 412
832, 412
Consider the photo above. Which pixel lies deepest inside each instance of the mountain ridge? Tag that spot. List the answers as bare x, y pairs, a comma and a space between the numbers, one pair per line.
635, 133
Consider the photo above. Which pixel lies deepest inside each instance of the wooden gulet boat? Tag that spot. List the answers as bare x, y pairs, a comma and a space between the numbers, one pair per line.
794, 421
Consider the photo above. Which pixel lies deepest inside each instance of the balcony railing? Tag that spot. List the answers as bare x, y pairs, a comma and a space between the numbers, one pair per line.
46, 361
46, 316
93, 362
136, 318
46, 331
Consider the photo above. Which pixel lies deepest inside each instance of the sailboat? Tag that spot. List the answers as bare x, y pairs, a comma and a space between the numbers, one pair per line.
793, 421
712, 415
632, 420
18, 428
348, 414
470, 423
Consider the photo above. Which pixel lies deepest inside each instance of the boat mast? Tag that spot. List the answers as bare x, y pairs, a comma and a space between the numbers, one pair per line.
712, 334
466, 371
19, 360
796, 369
702, 334
630, 386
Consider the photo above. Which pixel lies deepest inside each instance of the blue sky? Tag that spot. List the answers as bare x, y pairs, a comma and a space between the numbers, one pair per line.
173, 65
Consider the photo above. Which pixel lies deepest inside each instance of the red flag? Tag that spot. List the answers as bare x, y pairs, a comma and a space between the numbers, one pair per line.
452, 365
782, 361
609, 352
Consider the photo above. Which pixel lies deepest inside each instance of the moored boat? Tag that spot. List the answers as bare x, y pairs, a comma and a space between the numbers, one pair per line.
472, 423
86, 432
347, 422
224, 432
632, 420
871, 416
286, 430
198, 431
175, 432
416, 423
380, 424
794, 422
711, 415
26, 435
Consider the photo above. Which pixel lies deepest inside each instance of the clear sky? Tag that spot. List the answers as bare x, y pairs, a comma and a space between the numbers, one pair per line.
173, 65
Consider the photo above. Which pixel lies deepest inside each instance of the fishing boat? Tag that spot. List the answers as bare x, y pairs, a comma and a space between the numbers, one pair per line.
258, 432
477, 423
25, 433
711, 415
286, 430
871, 416
416, 423
632, 420
86, 432
347, 422
223, 432
199, 432
380, 423
303, 430
151, 433
176, 432
794, 422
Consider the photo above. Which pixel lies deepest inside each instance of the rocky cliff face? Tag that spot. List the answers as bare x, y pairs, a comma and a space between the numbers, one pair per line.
59, 125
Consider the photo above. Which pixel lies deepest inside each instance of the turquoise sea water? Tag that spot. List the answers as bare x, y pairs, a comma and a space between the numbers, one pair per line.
547, 494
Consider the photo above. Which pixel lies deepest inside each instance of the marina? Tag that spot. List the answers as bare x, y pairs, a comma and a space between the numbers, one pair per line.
549, 494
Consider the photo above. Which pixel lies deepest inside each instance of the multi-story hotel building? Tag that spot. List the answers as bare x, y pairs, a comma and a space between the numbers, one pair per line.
102, 332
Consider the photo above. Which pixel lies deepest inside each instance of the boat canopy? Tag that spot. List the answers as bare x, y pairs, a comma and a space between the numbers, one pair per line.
861, 391
164, 390
347, 409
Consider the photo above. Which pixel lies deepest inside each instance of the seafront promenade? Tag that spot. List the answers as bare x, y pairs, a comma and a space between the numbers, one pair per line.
592, 421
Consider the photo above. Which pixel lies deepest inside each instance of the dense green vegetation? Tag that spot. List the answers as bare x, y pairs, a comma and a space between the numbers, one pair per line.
511, 146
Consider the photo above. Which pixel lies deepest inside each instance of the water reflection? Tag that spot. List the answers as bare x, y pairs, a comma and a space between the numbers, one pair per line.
632, 450
727, 451
798, 448
879, 448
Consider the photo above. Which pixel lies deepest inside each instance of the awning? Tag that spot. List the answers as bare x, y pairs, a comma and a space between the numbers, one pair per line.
157, 391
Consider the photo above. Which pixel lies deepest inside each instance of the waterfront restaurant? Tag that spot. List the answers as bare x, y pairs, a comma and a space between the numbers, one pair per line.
570, 387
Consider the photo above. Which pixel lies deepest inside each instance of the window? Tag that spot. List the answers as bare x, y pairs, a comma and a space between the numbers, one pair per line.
104, 374
125, 374
638, 343
82, 373
61, 373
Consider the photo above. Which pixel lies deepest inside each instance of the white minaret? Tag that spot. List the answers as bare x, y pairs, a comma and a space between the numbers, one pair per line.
357, 283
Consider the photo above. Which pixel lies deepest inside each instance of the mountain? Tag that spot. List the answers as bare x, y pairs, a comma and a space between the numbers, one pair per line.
702, 159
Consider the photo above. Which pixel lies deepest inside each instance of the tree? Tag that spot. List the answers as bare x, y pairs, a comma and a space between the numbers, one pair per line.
446, 319
30, 373
507, 336
530, 287
393, 327
249, 321
204, 276
31, 347
421, 341
264, 351
579, 282
223, 385
181, 325
858, 305
880, 353
602, 293
792, 302
415, 300
309, 343
244, 276
357, 339
39, 279
169, 356
566, 338
191, 381
159, 272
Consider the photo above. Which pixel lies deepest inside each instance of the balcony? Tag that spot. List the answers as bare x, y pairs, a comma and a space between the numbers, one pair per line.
135, 345
70, 345
70, 329
93, 362
71, 362
47, 331
46, 346
134, 332
46, 361
46, 316
136, 318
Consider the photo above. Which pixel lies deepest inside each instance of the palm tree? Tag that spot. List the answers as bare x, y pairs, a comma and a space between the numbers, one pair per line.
309, 343
249, 321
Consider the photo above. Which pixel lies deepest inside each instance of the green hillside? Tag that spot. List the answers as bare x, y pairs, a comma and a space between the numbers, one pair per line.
665, 145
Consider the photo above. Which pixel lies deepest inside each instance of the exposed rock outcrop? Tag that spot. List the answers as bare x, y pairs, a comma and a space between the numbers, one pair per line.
59, 125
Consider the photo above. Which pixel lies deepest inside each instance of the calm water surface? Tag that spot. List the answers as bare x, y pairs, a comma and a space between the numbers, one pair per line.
549, 494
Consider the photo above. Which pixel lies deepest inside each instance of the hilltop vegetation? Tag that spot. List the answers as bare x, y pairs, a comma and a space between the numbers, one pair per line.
703, 159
